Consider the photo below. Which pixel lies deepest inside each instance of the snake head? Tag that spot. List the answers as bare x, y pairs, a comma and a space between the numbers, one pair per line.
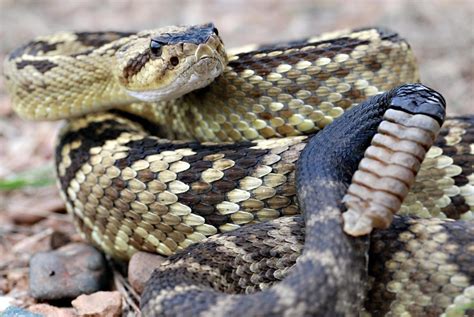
167, 63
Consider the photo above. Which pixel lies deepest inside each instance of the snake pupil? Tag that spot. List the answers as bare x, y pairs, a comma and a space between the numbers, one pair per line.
174, 61
155, 48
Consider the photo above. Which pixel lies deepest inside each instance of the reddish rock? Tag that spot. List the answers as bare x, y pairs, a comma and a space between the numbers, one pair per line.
140, 267
99, 304
51, 311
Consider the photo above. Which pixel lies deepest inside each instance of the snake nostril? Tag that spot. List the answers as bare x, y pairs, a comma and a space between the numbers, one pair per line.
174, 61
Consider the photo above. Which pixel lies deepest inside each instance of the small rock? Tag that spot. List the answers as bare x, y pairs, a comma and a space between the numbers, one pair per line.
13, 311
51, 311
5, 302
99, 304
67, 272
140, 267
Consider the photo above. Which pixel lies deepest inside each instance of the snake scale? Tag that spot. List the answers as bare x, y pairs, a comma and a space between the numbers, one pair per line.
247, 149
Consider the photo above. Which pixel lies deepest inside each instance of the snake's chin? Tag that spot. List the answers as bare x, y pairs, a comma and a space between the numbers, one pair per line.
195, 77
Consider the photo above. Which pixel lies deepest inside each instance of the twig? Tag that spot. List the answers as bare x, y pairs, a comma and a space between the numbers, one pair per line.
31, 240
129, 294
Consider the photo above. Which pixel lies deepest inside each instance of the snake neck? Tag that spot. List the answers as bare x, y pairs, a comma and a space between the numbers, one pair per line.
65, 75
80, 90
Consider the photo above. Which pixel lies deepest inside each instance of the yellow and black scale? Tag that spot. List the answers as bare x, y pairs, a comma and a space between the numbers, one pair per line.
130, 190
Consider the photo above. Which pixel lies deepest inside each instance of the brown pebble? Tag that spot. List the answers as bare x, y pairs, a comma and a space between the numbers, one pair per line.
99, 304
140, 267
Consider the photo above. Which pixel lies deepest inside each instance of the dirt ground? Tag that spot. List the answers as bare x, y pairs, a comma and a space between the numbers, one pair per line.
441, 33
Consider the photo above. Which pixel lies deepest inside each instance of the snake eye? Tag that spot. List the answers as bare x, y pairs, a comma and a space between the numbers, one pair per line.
174, 61
216, 32
155, 48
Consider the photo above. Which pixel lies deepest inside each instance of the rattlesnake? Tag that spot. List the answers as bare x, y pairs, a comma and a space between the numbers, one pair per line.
130, 191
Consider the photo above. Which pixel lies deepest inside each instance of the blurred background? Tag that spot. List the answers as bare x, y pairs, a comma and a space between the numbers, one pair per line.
441, 33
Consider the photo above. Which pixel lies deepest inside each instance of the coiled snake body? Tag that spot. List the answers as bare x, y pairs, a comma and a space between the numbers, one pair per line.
129, 190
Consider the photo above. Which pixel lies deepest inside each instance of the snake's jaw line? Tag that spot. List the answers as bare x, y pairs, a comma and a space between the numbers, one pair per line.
199, 75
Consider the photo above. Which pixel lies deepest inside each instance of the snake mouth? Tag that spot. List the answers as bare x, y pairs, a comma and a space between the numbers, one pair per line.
197, 75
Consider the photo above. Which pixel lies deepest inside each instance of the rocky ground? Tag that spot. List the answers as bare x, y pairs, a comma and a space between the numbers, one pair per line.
32, 218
